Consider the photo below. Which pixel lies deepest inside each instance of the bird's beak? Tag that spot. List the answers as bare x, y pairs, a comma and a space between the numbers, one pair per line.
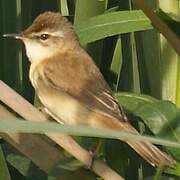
16, 36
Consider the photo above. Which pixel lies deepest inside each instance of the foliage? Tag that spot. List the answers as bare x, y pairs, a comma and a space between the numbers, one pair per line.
132, 56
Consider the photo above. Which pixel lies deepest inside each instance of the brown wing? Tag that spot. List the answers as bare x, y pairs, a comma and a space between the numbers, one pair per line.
76, 74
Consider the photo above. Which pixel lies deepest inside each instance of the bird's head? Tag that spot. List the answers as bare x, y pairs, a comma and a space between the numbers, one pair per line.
49, 33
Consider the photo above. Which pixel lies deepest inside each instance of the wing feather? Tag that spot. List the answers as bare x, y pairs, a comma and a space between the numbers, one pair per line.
76, 74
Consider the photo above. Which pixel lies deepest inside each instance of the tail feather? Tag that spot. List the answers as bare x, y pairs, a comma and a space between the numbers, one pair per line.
146, 150
151, 153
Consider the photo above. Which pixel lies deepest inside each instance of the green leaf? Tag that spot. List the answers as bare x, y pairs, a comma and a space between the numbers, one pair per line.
91, 8
162, 117
119, 163
171, 19
132, 101
86, 9
158, 174
148, 58
24, 165
78, 130
4, 173
116, 64
10, 26
21, 163
110, 24
64, 8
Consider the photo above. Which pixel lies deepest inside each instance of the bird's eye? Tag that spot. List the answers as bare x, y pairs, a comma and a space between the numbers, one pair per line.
44, 36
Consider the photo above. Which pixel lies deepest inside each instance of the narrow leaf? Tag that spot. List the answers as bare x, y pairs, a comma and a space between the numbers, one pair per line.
110, 24
4, 173
64, 8
45, 127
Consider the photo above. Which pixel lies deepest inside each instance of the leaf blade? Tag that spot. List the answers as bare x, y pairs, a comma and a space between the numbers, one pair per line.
110, 24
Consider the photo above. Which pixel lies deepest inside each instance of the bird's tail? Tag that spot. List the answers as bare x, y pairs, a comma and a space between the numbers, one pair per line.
146, 150
151, 153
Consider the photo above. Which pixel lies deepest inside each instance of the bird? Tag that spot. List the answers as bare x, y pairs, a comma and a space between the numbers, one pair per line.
70, 85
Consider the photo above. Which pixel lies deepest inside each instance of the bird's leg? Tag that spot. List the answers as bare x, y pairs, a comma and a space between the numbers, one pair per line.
94, 152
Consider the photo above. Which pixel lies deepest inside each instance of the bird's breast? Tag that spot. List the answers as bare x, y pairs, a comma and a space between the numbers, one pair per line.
59, 103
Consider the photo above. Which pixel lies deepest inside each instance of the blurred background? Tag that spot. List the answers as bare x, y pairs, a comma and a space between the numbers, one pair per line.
132, 55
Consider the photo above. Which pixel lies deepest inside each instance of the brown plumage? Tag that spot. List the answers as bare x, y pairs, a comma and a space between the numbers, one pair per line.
70, 85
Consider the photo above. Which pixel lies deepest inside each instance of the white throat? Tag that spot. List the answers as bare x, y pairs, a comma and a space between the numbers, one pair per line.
36, 52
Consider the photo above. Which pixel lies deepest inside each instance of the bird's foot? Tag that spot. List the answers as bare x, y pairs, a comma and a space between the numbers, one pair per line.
94, 153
